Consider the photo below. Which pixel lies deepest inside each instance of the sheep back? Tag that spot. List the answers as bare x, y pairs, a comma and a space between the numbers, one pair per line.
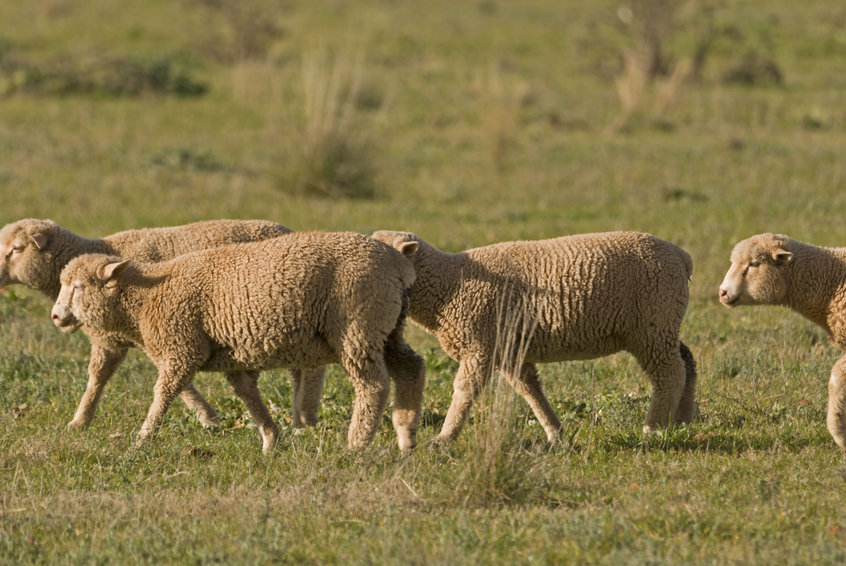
295, 301
590, 294
160, 244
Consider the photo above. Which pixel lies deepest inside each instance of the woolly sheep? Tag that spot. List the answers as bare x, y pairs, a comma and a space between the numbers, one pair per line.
773, 269
33, 253
304, 300
590, 295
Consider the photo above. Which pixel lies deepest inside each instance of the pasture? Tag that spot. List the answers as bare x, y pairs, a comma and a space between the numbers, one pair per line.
467, 123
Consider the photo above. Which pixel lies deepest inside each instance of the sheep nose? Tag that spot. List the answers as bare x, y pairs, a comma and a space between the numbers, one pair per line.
723, 293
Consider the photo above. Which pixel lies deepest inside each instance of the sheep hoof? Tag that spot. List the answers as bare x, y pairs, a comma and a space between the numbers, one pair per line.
208, 421
77, 424
407, 447
441, 442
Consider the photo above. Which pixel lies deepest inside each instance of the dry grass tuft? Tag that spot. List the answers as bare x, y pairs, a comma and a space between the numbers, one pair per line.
499, 468
337, 156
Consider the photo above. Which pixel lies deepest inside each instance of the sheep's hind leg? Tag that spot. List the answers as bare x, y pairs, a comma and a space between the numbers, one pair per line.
528, 385
409, 374
369, 377
668, 383
687, 405
307, 385
245, 384
836, 414
101, 367
472, 376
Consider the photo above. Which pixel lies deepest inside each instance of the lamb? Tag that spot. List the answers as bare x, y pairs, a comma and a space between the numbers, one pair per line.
33, 253
773, 269
590, 295
301, 301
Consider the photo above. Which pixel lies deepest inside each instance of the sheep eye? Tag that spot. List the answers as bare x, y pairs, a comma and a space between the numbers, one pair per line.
754, 263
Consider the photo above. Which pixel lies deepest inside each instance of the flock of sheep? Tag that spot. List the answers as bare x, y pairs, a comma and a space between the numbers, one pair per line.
243, 296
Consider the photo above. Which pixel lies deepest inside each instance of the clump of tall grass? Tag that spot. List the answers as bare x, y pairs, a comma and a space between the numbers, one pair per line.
337, 153
499, 469
652, 74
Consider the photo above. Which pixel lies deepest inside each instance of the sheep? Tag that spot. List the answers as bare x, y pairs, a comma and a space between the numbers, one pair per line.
773, 269
589, 295
33, 253
303, 300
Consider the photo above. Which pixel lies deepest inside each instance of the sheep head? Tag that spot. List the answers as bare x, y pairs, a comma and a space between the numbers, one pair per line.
757, 272
89, 284
25, 253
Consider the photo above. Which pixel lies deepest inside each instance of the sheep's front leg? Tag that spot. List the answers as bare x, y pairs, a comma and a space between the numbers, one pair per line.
101, 366
369, 377
836, 416
307, 390
245, 384
173, 378
472, 376
528, 385
409, 374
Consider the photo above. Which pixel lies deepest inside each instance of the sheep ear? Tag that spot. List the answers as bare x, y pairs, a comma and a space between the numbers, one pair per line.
112, 270
782, 256
40, 240
408, 249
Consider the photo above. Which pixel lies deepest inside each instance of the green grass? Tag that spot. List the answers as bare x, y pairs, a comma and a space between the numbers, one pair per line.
485, 121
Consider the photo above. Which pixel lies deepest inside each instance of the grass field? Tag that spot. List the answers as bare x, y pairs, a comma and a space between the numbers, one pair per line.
468, 123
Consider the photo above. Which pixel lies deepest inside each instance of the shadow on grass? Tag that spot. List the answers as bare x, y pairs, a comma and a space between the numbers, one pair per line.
724, 441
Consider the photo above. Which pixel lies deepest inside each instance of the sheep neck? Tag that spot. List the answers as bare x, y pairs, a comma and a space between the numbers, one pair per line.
818, 278
438, 279
124, 310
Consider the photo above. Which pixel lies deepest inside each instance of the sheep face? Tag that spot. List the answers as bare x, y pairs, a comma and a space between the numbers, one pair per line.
88, 289
25, 253
757, 275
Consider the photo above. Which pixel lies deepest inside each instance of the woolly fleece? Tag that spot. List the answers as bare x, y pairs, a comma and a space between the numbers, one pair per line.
301, 301
589, 295
773, 269
33, 253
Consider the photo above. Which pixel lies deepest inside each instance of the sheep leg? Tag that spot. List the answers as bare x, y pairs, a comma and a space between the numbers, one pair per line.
472, 376
245, 384
194, 401
528, 385
101, 366
307, 391
369, 377
172, 380
409, 374
668, 383
836, 414
687, 405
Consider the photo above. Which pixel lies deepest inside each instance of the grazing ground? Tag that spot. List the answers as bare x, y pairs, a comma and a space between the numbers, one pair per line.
468, 123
